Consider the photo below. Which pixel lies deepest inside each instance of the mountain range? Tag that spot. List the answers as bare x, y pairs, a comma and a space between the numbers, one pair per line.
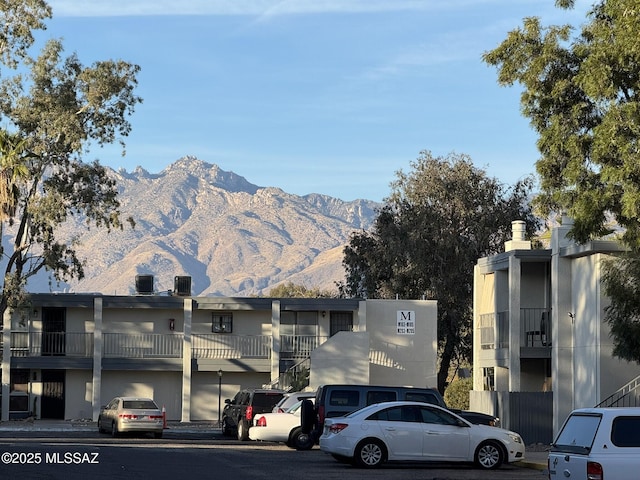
231, 237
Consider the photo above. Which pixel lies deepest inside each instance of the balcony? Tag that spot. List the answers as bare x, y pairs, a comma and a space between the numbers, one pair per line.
222, 346
535, 329
152, 345
42, 344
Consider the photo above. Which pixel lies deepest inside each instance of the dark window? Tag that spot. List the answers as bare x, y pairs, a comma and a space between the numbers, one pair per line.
379, 397
222, 322
431, 415
397, 414
422, 397
625, 432
340, 322
139, 404
266, 399
344, 398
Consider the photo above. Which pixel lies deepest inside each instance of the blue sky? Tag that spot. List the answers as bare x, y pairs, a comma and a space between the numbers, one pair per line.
324, 96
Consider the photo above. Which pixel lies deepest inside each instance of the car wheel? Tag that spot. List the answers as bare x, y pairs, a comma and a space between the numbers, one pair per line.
226, 429
489, 455
243, 431
100, 429
114, 429
300, 440
307, 416
370, 453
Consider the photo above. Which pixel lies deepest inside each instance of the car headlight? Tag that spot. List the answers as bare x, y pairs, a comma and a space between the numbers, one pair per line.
515, 437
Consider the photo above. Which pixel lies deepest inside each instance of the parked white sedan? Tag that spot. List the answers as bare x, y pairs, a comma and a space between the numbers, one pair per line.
414, 431
282, 427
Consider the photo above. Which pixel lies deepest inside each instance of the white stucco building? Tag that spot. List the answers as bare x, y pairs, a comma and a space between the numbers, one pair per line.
65, 355
541, 346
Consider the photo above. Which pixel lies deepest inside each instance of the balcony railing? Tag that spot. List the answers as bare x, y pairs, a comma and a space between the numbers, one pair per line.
152, 345
535, 328
223, 346
142, 345
494, 330
38, 344
299, 346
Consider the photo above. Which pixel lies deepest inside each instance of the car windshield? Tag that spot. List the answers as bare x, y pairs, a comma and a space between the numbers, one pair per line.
295, 407
138, 404
577, 434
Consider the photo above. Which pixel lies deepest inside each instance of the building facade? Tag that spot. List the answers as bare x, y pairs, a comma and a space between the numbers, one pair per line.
541, 346
65, 355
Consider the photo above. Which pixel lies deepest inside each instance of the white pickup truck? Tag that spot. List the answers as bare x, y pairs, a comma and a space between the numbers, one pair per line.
597, 444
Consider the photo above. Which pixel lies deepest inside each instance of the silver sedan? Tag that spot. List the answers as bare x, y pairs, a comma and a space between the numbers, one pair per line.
131, 414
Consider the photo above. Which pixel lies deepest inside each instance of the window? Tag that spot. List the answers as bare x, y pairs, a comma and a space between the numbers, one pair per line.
379, 397
344, 398
625, 432
222, 322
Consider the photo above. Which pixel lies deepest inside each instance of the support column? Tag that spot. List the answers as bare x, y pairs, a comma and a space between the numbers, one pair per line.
96, 382
275, 340
514, 323
186, 361
6, 364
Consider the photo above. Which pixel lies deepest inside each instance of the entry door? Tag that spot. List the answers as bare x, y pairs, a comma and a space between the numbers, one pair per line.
52, 394
53, 331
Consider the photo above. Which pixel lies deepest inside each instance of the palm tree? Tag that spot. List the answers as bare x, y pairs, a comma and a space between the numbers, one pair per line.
13, 170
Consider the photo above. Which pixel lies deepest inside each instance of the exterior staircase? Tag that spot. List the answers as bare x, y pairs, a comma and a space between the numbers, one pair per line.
626, 396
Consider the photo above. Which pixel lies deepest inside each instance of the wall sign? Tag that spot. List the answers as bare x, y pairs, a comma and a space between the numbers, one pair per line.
406, 322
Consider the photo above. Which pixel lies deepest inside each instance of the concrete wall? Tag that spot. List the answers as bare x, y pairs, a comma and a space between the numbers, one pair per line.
164, 387
384, 354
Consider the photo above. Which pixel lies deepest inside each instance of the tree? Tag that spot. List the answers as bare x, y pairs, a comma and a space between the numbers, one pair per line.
51, 111
291, 290
582, 96
439, 219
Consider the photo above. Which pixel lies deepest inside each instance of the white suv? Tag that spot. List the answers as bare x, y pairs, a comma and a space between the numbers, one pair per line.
597, 444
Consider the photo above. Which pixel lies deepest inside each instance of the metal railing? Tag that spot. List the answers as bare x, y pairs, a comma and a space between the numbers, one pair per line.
37, 344
142, 345
627, 396
223, 346
148, 345
299, 346
494, 330
535, 327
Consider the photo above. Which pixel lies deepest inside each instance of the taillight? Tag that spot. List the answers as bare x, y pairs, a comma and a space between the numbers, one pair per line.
594, 471
321, 414
261, 422
249, 413
338, 427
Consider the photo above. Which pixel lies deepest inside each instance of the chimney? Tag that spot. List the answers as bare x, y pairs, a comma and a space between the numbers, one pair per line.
517, 241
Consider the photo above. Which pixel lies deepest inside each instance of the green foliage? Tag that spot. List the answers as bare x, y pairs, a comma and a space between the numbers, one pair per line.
440, 218
457, 393
582, 95
297, 379
291, 290
51, 112
620, 277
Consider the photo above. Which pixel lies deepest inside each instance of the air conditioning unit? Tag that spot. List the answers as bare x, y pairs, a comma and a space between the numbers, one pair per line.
182, 285
144, 284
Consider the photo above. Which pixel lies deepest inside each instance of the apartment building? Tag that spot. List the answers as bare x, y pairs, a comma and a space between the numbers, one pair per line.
65, 355
541, 346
